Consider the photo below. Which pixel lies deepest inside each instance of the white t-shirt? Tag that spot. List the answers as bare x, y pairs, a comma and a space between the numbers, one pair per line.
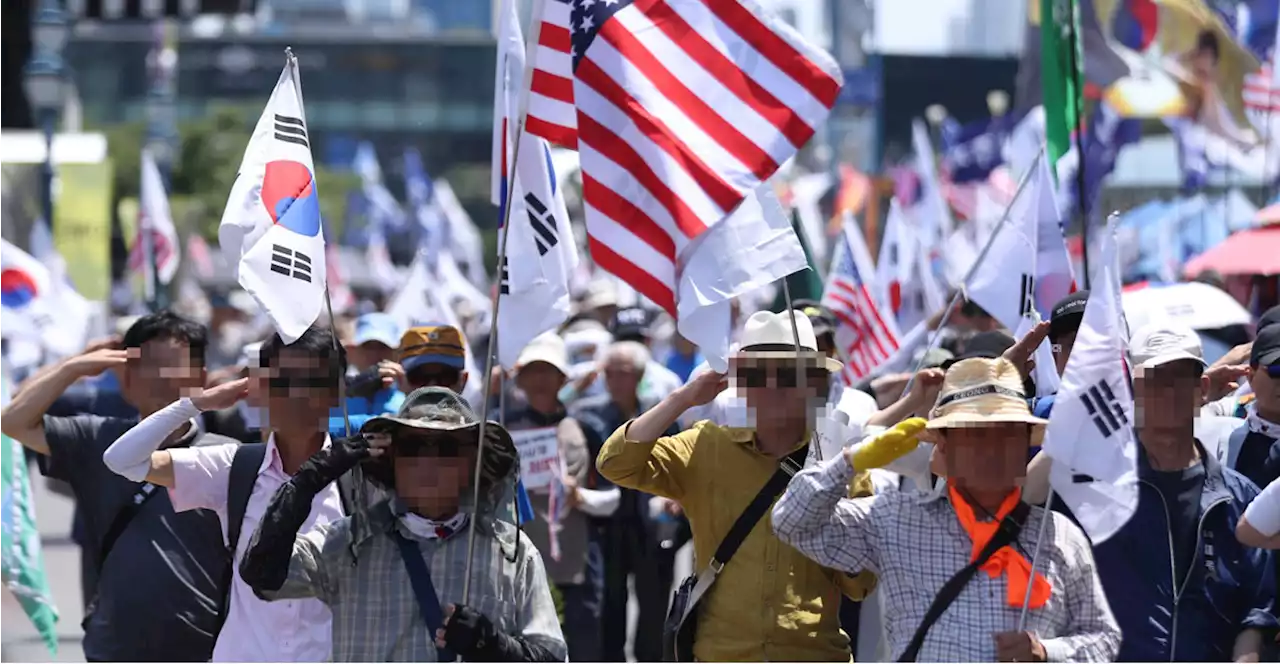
1264, 512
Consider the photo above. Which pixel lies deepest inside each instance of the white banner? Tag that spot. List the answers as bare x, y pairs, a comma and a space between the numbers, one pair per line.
539, 456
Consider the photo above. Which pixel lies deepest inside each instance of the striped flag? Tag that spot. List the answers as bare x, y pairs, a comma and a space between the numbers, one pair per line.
1262, 89
867, 334
683, 107
156, 234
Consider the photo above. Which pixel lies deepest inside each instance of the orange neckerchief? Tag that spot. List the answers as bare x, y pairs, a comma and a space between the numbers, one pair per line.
1007, 560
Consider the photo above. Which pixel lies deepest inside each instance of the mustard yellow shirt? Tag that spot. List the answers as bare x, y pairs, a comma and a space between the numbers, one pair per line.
770, 603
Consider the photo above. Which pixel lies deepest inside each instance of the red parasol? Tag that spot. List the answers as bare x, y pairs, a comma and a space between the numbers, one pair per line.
1255, 251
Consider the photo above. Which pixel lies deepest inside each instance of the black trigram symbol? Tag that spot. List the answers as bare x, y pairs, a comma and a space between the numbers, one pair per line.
290, 263
543, 222
504, 280
1081, 478
1104, 408
1028, 295
291, 130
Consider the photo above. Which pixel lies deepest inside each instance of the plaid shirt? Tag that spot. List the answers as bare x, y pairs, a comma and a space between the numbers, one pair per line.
375, 613
915, 543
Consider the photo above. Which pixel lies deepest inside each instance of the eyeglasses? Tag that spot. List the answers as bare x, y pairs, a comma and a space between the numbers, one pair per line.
783, 376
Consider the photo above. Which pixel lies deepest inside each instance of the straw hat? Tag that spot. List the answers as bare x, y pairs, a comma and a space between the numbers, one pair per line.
768, 335
980, 390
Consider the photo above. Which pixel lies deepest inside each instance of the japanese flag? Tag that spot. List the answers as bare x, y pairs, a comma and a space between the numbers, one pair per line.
1090, 435
271, 226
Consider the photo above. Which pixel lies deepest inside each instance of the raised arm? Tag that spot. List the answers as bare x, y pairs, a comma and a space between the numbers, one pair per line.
23, 419
136, 455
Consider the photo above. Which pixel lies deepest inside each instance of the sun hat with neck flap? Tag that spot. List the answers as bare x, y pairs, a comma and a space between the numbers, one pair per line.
767, 335
983, 390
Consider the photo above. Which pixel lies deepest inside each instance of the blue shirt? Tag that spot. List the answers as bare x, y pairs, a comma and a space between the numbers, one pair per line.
362, 409
683, 365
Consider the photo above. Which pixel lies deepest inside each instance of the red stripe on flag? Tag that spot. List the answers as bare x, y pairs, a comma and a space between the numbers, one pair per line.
694, 107
621, 211
646, 284
550, 85
565, 137
775, 49
555, 37
730, 75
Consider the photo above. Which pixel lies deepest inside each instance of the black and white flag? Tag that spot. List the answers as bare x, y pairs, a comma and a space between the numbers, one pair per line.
1090, 435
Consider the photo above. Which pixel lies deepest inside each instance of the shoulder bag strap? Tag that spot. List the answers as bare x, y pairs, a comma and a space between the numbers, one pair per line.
1010, 528
790, 465
140, 497
423, 589
240, 481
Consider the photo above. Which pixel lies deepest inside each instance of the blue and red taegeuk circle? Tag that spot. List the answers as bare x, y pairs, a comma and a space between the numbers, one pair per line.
289, 194
17, 288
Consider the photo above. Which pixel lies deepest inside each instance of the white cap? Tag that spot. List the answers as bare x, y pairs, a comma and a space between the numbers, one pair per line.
1163, 342
547, 347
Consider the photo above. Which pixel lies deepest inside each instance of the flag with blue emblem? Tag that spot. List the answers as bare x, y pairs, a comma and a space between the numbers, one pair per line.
271, 228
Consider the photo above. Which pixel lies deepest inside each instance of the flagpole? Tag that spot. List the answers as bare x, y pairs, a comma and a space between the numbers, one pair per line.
489, 356
795, 335
973, 269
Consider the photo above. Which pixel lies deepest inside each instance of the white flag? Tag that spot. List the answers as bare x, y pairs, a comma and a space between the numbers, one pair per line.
156, 236
540, 250
37, 308
753, 247
271, 228
1090, 434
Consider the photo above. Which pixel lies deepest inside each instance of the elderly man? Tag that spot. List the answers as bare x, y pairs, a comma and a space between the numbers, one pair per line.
377, 575
916, 542
767, 602
639, 540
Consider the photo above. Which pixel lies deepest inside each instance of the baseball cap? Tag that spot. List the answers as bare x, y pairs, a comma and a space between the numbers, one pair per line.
1067, 314
630, 323
547, 347
378, 327
988, 345
1162, 342
433, 344
1266, 348
824, 322
1269, 317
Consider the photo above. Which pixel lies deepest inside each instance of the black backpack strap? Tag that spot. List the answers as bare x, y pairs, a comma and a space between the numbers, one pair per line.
790, 465
240, 481
140, 497
1006, 534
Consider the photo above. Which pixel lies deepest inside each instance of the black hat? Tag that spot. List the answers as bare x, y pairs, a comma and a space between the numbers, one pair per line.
824, 322
1269, 317
631, 324
989, 345
1266, 348
1067, 314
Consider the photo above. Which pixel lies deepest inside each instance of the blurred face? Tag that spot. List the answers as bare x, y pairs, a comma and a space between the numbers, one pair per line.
436, 375
433, 470
1167, 398
160, 372
370, 353
1062, 350
988, 457
539, 380
1265, 381
298, 390
776, 394
621, 379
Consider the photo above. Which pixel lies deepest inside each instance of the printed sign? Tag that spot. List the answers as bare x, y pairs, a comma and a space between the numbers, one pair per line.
539, 456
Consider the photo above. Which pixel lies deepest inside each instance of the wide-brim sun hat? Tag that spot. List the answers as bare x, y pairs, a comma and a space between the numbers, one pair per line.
441, 410
980, 391
768, 335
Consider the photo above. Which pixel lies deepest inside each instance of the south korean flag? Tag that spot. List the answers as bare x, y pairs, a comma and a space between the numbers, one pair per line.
271, 227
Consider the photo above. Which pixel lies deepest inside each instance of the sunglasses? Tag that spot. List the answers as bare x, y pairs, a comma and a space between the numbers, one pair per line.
783, 376
433, 377
284, 382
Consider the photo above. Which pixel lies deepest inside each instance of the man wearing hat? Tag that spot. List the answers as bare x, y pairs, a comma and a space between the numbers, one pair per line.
768, 603
395, 578
915, 542
1180, 542
1254, 449
374, 389
630, 324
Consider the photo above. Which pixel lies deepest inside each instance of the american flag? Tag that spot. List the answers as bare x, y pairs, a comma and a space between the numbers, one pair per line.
865, 336
678, 109
1262, 90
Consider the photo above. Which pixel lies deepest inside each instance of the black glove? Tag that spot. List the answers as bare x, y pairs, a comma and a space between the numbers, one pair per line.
327, 465
474, 638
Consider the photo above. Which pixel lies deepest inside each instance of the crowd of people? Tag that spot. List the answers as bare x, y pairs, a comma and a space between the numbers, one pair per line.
351, 496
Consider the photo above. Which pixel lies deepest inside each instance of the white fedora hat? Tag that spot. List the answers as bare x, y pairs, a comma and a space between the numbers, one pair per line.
770, 336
